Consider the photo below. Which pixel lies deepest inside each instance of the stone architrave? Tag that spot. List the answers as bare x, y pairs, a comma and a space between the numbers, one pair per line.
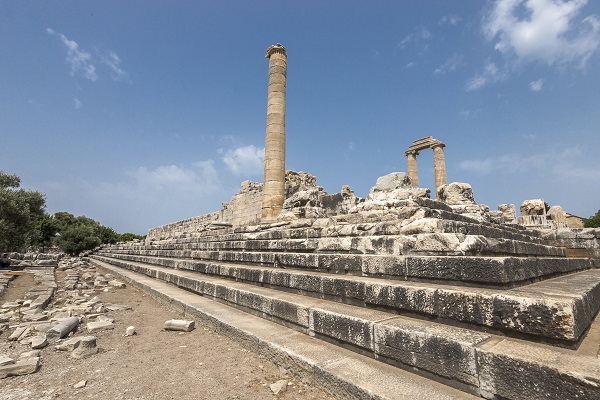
439, 162
274, 173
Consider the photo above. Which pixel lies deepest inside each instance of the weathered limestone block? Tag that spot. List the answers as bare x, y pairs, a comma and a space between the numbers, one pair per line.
179, 325
533, 207
87, 347
446, 351
395, 180
456, 193
557, 214
509, 211
39, 342
24, 367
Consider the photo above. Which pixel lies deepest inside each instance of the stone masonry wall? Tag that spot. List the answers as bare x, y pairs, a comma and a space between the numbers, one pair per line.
244, 207
583, 242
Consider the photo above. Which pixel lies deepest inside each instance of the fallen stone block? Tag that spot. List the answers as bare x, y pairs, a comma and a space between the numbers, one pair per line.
179, 325
279, 386
4, 360
39, 342
99, 326
30, 354
35, 317
20, 331
62, 329
130, 331
116, 284
69, 345
87, 347
23, 367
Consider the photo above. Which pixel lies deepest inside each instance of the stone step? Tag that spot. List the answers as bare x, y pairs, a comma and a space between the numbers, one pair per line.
479, 363
501, 272
557, 310
422, 243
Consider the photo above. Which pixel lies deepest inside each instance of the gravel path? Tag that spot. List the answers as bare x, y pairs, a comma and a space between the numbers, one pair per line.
153, 364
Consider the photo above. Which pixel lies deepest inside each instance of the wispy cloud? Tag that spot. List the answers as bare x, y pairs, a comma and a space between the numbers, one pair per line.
82, 62
451, 64
546, 31
450, 19
557, 162
490, 74
113, 62
536, 86
418, 37
411, 65
245, 160
77, 103
79, 60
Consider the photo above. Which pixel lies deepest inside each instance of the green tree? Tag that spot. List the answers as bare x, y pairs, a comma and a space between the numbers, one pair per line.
128, 237
77, 238
46, 229
19, 209
107, 235
593, 221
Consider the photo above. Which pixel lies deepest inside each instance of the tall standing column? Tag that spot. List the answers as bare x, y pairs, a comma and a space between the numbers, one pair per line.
274, 178
413, 173
439, 166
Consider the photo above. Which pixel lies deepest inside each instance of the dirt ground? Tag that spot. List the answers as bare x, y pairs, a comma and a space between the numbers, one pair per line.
153, 364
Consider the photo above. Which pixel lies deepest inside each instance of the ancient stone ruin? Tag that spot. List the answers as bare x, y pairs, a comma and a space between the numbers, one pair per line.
443, 288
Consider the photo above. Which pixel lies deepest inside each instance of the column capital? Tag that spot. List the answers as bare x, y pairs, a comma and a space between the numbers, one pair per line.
411, 152
275, 48
438, 145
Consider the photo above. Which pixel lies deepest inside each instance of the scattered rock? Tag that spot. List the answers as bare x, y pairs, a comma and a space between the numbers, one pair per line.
4, 360
23, 367
62, 329
116, 284
39, 342
87, 347
130, 331
179, 325
279, 387
80, 384
99, 326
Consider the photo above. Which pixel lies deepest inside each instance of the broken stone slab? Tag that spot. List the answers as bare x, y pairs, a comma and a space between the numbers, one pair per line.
62, 329
30, 354
279, 387
87, 347
116, 284
4, 360
69, 345
117, 307
35, 317
39, 342
19, 331
99, 326
179, 325
130, 331
24, 367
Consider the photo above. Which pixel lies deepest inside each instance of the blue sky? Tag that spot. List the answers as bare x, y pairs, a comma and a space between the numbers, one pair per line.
141, 113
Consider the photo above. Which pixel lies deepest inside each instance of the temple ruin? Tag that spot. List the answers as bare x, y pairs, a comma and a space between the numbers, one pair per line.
439, 163
466, 297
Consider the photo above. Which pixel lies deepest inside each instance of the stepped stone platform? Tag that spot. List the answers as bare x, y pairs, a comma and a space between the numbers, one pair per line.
485, 308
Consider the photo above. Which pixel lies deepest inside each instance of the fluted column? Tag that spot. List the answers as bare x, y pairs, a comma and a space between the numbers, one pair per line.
413, 173
274, 177
439, 166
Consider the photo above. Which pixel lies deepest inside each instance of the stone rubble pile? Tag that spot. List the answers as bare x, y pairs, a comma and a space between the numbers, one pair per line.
63, 315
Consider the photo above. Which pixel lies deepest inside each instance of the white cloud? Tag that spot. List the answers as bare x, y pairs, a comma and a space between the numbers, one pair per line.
536, 86
491, 74
418, 37
78, 104
411, 65
451, 64
553, 162
113, 62
543, 30
245, 160
351, 146
79, 60
450, 19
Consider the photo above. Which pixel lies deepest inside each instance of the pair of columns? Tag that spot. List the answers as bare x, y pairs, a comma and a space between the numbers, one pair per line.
439, 162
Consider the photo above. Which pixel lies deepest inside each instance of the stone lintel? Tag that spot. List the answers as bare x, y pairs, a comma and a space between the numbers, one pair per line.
424, 143
275, 48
